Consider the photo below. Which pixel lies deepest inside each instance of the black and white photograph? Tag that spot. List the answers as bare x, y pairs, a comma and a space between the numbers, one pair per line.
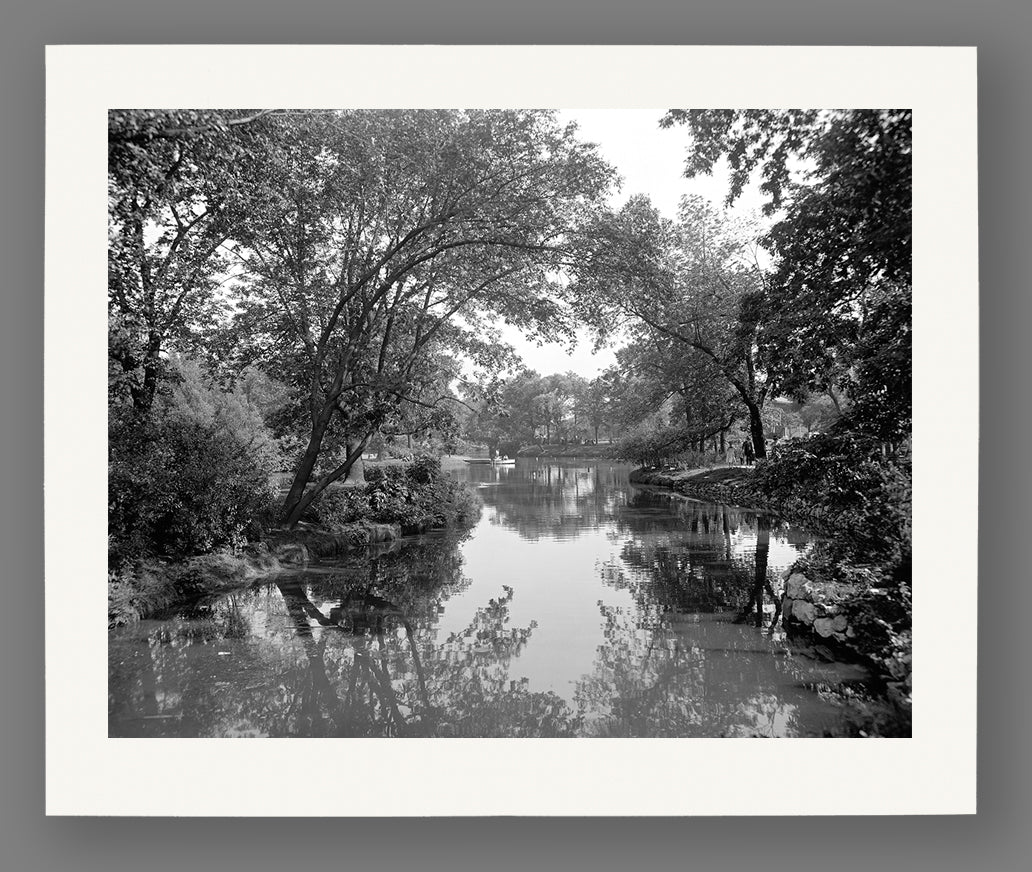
509, 423
595, 396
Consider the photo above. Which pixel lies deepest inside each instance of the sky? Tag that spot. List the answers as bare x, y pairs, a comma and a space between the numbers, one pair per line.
650, 161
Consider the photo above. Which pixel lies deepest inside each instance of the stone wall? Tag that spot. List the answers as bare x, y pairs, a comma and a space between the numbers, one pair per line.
817, 610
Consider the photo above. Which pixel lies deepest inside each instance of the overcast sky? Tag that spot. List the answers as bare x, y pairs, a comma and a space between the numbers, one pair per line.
650, 161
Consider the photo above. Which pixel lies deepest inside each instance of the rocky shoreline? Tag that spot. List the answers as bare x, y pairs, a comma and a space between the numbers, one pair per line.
812, 609
830, 617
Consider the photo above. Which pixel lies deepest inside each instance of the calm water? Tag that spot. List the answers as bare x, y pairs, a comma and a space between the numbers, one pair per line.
580, 605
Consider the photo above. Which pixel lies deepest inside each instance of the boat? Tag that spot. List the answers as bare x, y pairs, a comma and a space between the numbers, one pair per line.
486, 461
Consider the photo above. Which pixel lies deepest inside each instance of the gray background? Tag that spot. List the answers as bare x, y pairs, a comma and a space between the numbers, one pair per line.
997, 838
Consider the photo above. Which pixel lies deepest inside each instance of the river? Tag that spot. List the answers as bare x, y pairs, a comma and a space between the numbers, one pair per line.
579, 605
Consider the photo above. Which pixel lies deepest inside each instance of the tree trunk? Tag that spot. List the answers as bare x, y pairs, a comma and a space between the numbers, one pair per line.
309, 497
304, 470
143, 396
756, 431
356, 475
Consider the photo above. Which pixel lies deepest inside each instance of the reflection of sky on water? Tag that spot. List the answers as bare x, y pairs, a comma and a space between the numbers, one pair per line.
578, 605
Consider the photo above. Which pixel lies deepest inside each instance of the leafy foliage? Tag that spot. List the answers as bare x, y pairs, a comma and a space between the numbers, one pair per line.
664, 446
171, 196
189, 476
836, 310
690, 294
417, 496
846, 476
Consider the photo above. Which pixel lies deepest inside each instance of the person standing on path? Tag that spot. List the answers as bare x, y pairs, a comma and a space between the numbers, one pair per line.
747, 451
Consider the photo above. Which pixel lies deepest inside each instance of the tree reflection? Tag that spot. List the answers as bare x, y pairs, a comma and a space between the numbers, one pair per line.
761, 579
355, 648
706, 558
554, 500
352, 653
402, 681
691, 678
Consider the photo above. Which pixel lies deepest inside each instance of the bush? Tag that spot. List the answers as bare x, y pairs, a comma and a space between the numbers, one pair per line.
191, 476
846, 478
177, 488
341, 506
417, 496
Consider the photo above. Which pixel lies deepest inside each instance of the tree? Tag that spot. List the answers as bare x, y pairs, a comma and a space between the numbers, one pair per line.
838, 302
594, 404
692, 387
377, 242
692, 285
169, 195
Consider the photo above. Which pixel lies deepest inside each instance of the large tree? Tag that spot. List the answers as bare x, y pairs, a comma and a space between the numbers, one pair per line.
701, 401
692, 286
374, 242
837, 307
170, 193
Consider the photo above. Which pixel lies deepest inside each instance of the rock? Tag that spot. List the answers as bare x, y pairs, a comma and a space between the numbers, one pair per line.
839, 623
823, 627
803, 611
796, 586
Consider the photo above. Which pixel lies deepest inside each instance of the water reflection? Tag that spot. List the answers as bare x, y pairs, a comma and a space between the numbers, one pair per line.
552, 500
579, 606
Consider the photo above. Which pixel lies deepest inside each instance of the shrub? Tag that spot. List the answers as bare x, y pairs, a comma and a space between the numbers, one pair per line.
417, 496
845, 477
190, 476
342, 506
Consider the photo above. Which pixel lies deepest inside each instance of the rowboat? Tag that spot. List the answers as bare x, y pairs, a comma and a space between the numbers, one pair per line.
488, 462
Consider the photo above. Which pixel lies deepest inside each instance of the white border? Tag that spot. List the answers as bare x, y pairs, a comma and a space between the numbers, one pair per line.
87, 773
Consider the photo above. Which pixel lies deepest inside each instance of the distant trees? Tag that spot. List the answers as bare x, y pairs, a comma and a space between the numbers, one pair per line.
529, 408
593, 404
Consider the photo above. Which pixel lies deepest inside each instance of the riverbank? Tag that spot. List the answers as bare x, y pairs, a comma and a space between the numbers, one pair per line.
396, 499
736, 486
155, 584
585, 452
842, 609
